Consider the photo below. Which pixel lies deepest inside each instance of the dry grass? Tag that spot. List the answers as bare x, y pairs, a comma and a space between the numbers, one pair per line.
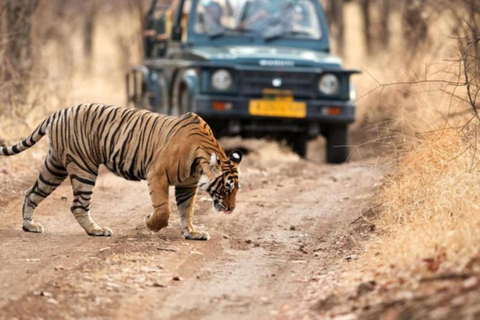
428, 214
395, 104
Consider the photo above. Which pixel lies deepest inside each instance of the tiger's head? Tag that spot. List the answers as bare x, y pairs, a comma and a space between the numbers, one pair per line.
221, 181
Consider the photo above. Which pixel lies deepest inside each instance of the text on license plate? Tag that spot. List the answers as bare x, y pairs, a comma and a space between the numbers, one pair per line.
278, 108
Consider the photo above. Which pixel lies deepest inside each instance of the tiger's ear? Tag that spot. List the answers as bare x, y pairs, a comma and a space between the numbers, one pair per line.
214, 163
214, 160
236, 156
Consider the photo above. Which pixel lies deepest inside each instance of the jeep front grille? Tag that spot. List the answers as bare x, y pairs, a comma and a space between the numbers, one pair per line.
302, 84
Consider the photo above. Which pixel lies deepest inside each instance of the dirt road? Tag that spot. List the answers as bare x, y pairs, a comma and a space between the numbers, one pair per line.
261, 262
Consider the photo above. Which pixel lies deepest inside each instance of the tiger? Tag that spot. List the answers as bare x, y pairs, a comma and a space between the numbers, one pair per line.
137, 145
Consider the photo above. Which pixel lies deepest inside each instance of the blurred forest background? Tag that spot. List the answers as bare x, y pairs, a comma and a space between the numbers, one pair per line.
58, 53
418, 102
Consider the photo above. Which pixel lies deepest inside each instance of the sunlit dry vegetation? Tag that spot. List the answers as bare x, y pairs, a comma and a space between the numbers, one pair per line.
429, 209
55, 54
422, 103
59, 53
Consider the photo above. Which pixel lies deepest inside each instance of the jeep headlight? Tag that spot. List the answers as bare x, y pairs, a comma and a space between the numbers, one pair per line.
329, 84
221, 80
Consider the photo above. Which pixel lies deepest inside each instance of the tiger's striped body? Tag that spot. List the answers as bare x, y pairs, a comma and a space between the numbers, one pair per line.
136, 145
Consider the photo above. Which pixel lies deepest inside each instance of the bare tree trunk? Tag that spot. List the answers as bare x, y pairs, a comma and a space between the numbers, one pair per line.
415, 28
19, 28
140, 8
89, 32
340, 26
17, 62
474, 16
336, 23
3, 8
328, 10
384, 23
3, 37
367, 25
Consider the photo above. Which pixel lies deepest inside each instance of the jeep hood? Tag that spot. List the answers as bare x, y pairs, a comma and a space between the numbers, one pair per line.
267, 56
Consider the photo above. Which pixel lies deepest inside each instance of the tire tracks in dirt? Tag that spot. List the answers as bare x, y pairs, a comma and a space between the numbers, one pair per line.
259, 264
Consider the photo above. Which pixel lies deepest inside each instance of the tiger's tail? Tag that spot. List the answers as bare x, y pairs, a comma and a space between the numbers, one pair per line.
30, 141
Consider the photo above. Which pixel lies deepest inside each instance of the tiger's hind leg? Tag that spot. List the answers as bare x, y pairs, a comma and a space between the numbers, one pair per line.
83, 184
53, 173
185, 197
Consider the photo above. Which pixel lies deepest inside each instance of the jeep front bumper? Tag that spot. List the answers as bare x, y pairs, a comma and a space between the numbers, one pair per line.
230, 115
233, 107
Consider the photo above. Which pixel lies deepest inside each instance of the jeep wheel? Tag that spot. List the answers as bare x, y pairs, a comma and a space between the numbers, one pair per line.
337, 143
182, 104
159, 103
143, 101
298, 143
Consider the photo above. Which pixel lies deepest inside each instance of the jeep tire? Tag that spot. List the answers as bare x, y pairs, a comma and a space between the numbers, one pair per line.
183, 102
337, 143
298, 143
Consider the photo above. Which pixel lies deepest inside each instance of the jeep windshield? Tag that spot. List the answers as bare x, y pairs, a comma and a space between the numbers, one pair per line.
267, 19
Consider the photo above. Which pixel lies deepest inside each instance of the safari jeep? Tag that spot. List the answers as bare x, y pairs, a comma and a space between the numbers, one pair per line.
248, 67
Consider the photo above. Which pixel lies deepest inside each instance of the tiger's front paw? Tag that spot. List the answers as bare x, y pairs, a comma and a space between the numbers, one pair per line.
101, 232
31, 226
155, 224
197, 235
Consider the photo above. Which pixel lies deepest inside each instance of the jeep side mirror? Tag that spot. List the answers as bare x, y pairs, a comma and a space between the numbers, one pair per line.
177, 33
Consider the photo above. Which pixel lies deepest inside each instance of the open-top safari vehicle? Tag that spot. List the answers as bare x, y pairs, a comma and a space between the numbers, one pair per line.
248, 67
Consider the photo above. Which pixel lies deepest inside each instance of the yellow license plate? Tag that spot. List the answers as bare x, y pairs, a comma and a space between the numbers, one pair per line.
278, 108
